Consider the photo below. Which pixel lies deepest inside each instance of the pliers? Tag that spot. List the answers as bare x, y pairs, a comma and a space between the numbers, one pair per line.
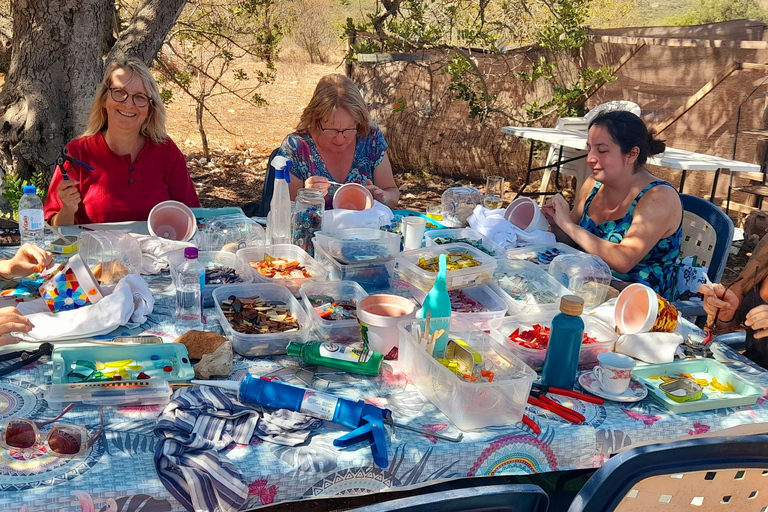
539, 399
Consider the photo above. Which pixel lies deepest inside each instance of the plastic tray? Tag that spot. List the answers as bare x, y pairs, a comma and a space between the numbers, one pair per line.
340, 331
371, 276
501, 328
290, 252
490, 247
174, 355
531, 285
407, 263
493, 303
211, 259
361, 245
746, 392
533, 253
469, 405
113, 393
262, 344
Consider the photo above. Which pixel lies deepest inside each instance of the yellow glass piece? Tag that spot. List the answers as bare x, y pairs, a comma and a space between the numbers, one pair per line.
99, 365
123, 373
133, 367
724, 388
119, 364
109, 373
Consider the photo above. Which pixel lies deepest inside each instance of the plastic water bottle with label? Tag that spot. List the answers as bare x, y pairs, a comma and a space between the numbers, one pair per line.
190, 283
31, 220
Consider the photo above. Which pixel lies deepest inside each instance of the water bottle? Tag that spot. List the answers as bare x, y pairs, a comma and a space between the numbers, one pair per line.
562, 360
279, 218
190, 282
31, 220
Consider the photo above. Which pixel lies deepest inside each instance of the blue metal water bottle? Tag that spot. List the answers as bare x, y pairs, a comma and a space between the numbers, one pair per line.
562, 360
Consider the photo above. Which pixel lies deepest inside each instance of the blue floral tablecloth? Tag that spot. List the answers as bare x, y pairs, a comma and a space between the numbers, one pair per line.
118, 473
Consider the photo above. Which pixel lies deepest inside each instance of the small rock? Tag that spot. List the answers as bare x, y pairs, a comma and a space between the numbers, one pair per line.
199, 343
202, 161
247, 161
218, 364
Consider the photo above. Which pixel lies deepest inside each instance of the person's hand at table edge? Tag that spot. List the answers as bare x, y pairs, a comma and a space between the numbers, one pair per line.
27, 260
12, 321
388, 197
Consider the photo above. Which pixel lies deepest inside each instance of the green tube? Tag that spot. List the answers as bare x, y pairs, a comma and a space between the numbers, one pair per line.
351, 358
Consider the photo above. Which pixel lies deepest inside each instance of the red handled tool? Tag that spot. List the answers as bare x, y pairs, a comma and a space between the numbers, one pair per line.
539, 399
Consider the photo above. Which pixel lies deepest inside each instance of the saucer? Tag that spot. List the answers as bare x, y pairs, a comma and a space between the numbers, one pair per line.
634, 393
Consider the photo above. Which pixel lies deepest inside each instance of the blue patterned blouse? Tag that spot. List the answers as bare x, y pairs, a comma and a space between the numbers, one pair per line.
658, 269
302, 151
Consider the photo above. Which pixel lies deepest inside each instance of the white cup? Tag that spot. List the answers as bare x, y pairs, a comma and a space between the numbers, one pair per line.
613, 372
413, 231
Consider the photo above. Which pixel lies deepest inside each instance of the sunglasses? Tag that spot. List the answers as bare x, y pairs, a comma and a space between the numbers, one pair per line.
63, 440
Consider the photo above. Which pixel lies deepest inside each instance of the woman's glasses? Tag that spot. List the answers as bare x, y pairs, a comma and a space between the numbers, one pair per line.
332, 132
120, 95
63, 440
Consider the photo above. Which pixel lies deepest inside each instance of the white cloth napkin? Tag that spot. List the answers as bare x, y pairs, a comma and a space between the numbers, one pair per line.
129, 304
154, 251
374, 217
492, 224
651, 347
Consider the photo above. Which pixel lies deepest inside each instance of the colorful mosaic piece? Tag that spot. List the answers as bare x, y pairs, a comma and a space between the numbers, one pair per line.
63, 292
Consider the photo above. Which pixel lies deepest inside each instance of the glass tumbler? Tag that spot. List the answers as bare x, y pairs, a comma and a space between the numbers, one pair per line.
494, 192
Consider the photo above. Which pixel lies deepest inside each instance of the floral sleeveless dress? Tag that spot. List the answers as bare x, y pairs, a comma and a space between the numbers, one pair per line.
658, 269
302, 151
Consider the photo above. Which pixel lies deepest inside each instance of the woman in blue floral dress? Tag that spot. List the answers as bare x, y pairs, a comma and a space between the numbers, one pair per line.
336, 141
623, 213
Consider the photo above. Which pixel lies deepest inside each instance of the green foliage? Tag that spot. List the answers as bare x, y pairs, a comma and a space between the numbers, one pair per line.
715, 11
466, 86
14, 186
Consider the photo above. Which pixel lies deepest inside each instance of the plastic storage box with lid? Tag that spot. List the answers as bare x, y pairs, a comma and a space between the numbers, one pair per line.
454, 235
586, 275
408, 265
493, 305
374, 275
541, 254
522, 284
229, 233
469, 405
339, 331
359, 245
501, 328
317, 272
262, 344
212, 260
110, 255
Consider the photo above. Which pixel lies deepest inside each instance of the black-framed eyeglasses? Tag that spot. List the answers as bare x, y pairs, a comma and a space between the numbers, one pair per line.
121, 95
332, 132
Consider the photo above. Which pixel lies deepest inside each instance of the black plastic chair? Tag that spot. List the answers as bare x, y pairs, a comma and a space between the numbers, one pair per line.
698, 474
261, 208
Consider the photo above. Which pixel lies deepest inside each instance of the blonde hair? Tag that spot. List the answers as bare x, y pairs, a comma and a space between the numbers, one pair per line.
335, 92
153, 126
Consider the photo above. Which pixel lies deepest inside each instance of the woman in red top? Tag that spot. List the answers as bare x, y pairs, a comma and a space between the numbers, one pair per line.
136, 165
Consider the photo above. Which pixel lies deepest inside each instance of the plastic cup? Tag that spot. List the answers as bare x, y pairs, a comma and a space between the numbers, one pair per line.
352, 196
413, 232
172, 220
524, 213
613, 372
72, 287
640, 309
378, 316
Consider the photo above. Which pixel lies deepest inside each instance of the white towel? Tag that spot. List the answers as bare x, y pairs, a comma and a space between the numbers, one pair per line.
651, 347
129, 304
154, 251
338, 218
491, 223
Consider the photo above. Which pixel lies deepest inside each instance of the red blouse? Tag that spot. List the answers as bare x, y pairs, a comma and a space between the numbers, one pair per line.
120, 190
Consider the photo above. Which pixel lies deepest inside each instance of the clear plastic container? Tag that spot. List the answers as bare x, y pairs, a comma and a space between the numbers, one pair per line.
522, 284
469, 405
493, 304
317, 271
262, 344
484, 243
586, 275
541, 255
458, 203
407, 263
359, 245
229, 233
212, 259
110, 254
501, 328
339, 331
307, 217
371, 276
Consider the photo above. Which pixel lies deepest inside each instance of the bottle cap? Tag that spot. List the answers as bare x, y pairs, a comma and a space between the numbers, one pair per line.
29, 189
572, 305
190, 253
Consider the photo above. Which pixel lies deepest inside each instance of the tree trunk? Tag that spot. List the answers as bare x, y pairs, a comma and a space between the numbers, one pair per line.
59, 51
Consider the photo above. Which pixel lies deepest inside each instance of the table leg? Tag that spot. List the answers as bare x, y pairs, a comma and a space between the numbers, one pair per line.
730, 186
714, 186
682, 181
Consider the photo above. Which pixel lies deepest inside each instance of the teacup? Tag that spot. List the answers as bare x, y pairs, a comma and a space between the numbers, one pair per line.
613, 372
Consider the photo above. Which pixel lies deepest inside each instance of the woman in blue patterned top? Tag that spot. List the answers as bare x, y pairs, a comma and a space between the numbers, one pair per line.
623, 213
336, 141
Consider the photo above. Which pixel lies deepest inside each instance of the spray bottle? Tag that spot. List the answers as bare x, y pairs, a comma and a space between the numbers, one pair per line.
438, 304
279, 218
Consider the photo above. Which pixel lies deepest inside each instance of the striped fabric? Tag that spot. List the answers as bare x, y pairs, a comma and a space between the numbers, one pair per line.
198, 423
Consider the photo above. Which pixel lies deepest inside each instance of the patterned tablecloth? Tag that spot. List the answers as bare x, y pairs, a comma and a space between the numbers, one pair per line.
118, 472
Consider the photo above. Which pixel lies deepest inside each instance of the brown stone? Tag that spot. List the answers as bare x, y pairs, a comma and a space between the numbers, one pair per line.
217, 364
199, 343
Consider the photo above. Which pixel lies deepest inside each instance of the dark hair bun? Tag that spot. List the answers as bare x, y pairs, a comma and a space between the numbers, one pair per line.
656, 146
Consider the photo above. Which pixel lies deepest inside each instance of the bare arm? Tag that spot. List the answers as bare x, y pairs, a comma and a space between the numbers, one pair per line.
384, 188
549, 211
